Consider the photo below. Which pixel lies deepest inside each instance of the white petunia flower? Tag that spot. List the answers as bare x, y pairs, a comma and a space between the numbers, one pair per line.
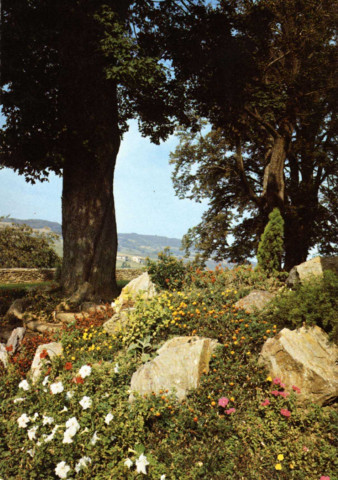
32, 433
94, 438
109, 418
69, 395
23, 420
128, 463
82, 463
45, 381
18, 400
116, 368
86, 402
24, 385
141, 464
73, 423
68, 436
47, 420
85, 371
56, 387
34, 417
31, 452
49, 438
162, 477
65, 409
62, 470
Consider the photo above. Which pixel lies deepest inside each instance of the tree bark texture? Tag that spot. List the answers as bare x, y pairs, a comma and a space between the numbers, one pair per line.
88, 223
273, 186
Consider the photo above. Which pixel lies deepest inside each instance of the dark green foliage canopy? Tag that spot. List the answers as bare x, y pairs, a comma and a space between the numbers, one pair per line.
270, 248
263, 75
60, 60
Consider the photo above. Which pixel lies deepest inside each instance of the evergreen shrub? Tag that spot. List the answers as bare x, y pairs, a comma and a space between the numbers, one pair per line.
270, 248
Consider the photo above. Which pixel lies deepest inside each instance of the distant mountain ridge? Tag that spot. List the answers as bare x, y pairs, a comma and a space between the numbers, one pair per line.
128, 243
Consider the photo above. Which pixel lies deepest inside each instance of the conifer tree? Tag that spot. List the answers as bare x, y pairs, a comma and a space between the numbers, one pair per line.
270, 248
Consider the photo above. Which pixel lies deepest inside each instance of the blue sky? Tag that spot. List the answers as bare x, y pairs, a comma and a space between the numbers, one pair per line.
144, 196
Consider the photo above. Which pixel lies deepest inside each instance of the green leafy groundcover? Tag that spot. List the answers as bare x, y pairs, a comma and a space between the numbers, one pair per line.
76, 422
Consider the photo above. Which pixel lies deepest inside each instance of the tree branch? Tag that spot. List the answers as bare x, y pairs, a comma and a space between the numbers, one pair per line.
260, 120
241, 170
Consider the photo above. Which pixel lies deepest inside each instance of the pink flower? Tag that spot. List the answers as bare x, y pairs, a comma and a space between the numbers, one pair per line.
285, 412
276, 381
296, 389
223, 402
266, 402
231, 410
305, 449
282, 385
324, 477
275, 393
284, 394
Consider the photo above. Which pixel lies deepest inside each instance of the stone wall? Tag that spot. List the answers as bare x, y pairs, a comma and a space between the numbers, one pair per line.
30, 275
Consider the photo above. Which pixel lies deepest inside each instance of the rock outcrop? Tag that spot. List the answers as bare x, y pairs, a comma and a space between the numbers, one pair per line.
177, 368
312, 268
117, 322
304, 358
16, 338
53, 349
3, 355
256, 300
141, 286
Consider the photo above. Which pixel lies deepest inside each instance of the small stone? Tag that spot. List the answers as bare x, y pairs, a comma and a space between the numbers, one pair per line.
37, 326
17, 309
256, 300
67, 317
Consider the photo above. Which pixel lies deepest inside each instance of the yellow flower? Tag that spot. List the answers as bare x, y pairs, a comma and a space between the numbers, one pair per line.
73, 358
269, 379
280, 457
278, 466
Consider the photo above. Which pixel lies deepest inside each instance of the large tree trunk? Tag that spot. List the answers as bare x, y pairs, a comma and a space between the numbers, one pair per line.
273, 182
296, 244
88, 223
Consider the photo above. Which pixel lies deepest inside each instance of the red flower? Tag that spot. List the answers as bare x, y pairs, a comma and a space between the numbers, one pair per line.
266, 402
78, 379
276, 381
275, 393
43, 354
9, 348
296, 389
285, 412
68, 366
231, 410
324, 477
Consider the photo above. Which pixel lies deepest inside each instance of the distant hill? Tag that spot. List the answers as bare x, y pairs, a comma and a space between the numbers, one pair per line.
37, 224
128, 243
